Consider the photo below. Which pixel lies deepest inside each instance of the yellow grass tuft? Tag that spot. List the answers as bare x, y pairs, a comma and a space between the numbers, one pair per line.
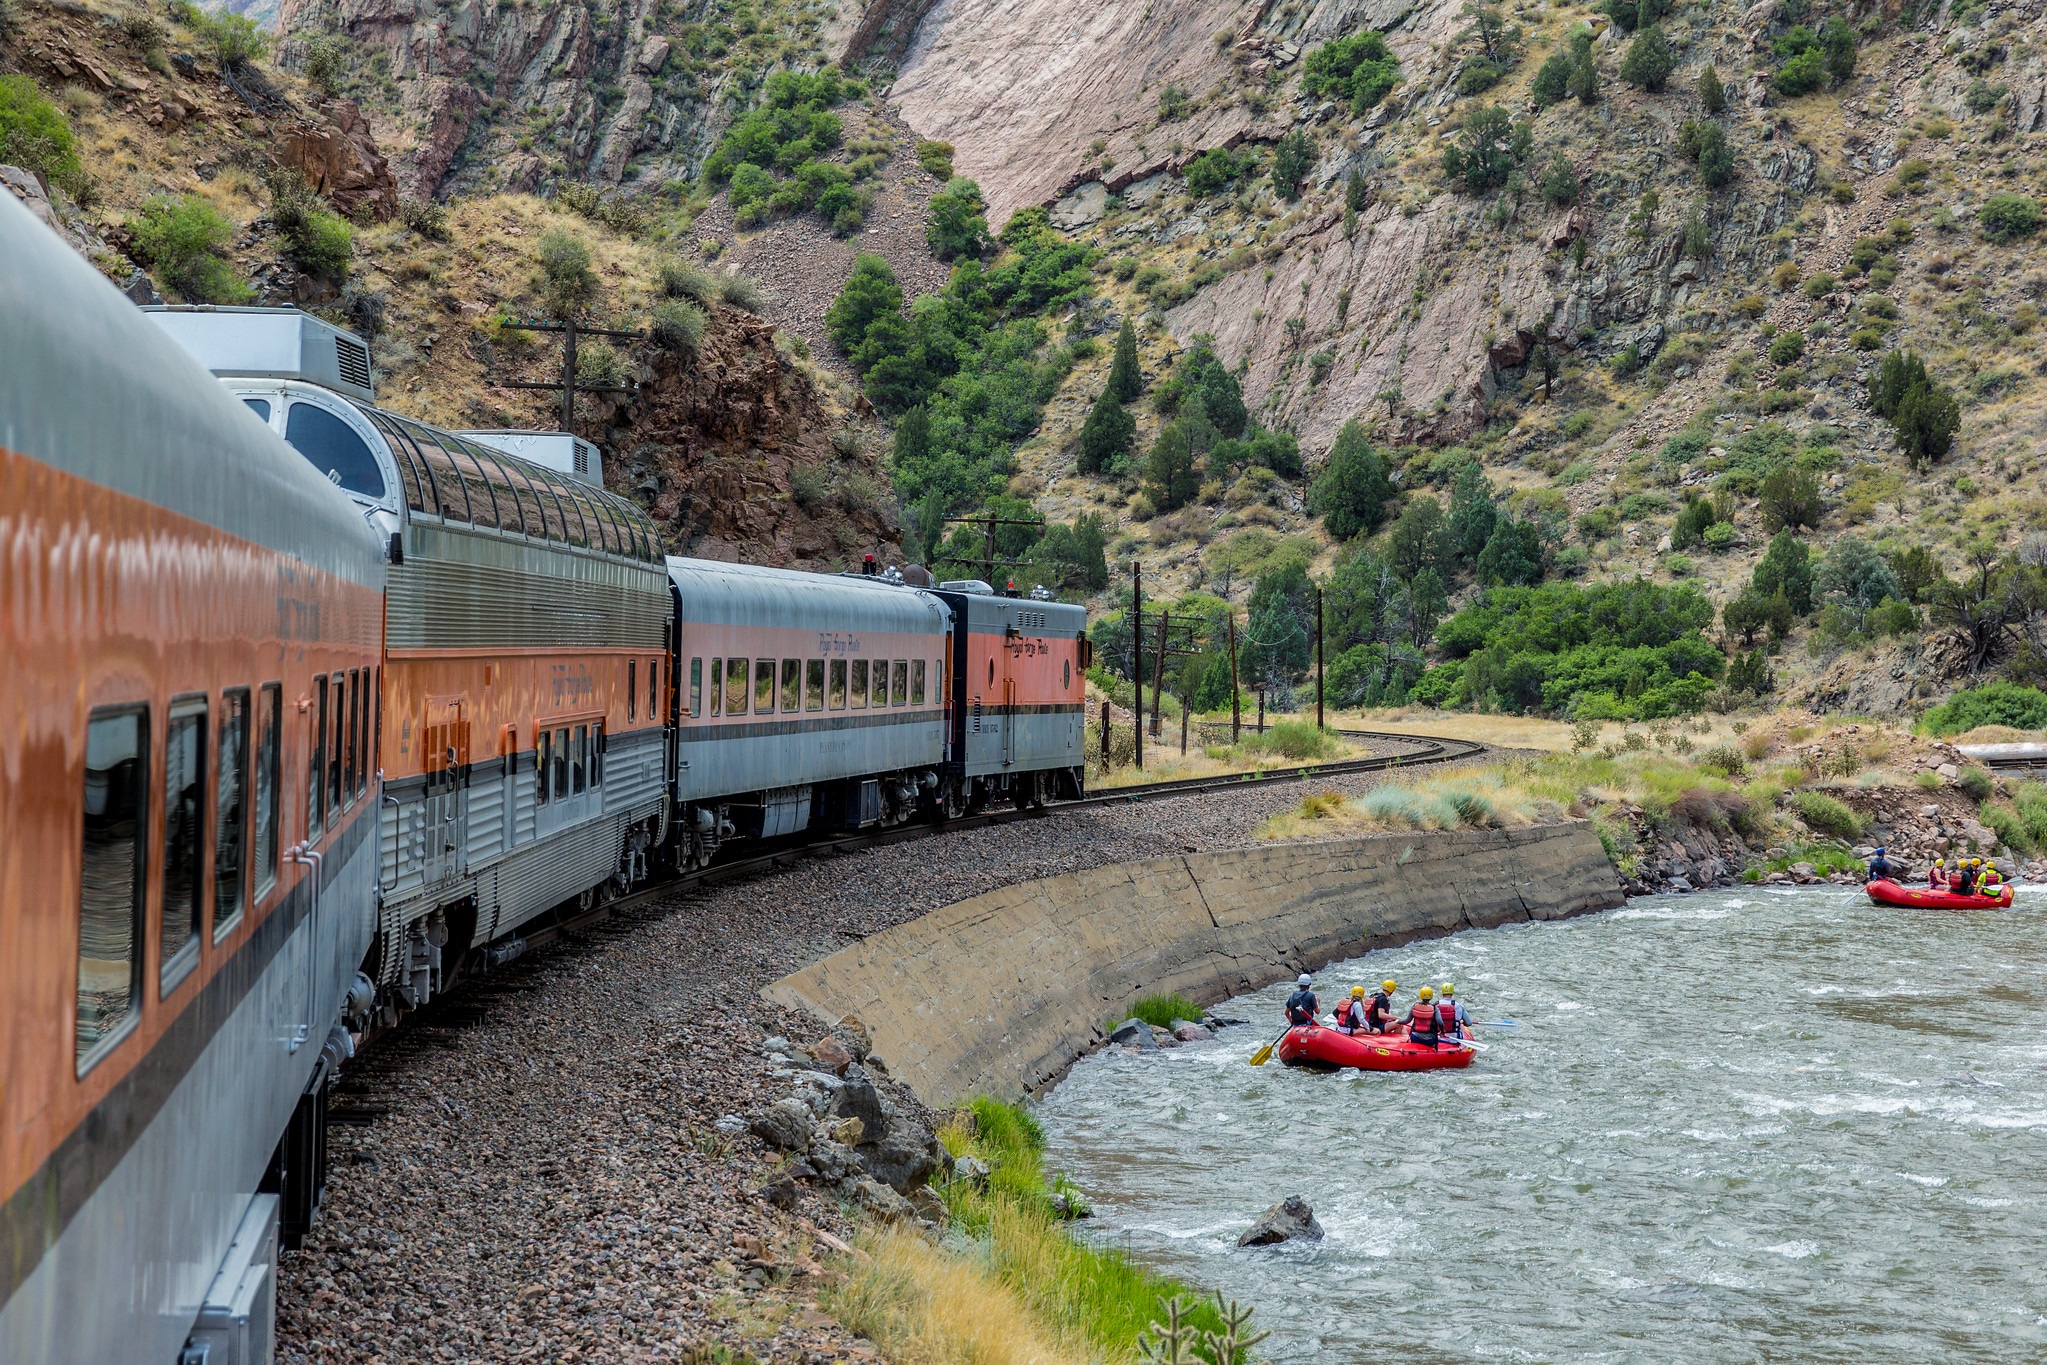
924, 1306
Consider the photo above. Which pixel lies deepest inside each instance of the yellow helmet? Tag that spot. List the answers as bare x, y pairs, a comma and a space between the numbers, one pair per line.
1388, 986
1940, 862
1975, 862
1449, 988
1428, 994
1357, 992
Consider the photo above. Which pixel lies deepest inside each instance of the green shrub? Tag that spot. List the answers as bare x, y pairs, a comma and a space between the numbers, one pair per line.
35, 135
1996, 703
1787, 347
678, 322
1212, 172
1361, 67
1161, 1010
185, 241
2008, 217
1826, 815
1976, 782
234, 39
1649, 60
1820, 285
959, 224
1297, 739
935, 158
1552, 80
322, 242
1803, 74
2010, 826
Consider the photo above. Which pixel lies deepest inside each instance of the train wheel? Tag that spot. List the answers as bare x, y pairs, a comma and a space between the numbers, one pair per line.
953, 803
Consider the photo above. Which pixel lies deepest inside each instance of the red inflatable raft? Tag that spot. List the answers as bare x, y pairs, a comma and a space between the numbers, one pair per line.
1312, 1045
1885, 892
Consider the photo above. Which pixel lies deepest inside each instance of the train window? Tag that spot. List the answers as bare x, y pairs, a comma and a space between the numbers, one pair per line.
354, 733
632, 687
375, 711
838, 692
1066, 674
735, 687
899, 683
259, 406
696, 686
579, 752
792, 684
717, 688
362, 764
230, 811
317, 767
543, 761
269, 749
331, 446
764, 687
653, 691
991, 674
881, 682
336, 747
561, 764
110, 886
916, 682
813, 685
859, 684
597, 754
181, 912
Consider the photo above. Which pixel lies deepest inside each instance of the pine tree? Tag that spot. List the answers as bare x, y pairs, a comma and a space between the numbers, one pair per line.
1584, 81
1649, 60
1105, 437
1126, 378
1926, 420
1712, 94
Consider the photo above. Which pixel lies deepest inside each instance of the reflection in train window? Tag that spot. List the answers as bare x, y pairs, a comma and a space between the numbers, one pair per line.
717, 690
838, 692
269, 785
318, 766
653, 692
881, 682
764, 687
331, 446
561, 763
110, 894
859, 683
792, 684
230, 811
899, 683
259, 406
579, 753
813, 685
181, 913
735, 687
543, 766
354, 732
336, 747
916, 682
597, 754
632, 688
696, 686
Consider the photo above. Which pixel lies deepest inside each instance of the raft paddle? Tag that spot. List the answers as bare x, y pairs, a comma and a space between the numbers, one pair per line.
1508, 1024
1264, 1054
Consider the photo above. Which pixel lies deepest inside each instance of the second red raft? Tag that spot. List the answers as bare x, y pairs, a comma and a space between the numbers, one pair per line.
1313, 1045
1885, 892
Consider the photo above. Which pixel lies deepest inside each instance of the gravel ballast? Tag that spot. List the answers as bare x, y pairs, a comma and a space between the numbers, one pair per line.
535, 1169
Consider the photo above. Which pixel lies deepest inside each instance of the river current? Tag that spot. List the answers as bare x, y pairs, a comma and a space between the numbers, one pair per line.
1762, 1125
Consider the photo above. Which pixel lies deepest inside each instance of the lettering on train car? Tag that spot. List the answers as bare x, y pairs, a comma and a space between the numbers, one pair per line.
1028, 649
573, 683
831, 642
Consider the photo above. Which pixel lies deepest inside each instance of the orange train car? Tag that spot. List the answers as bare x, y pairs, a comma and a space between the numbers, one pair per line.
1018, 695
191, 618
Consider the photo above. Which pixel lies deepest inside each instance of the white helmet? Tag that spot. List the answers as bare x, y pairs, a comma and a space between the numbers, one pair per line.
1305, 981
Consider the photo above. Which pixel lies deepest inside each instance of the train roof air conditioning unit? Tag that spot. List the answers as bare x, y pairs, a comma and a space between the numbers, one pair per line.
556, 450
270, 343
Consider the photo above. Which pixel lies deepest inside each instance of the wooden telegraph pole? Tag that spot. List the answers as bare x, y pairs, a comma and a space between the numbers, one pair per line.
1137, 659
570, 330
1158, 673
1236, 711
1105, 736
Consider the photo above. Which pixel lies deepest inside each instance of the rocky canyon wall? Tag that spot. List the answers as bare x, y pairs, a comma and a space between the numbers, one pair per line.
1000, 993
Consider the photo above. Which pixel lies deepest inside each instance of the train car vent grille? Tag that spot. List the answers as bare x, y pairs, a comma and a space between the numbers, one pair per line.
353, 361
582, 459
977, 715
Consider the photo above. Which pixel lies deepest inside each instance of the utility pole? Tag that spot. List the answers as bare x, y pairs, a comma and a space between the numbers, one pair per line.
1105, 736
570, 330
1184, 709
1261, 708
1236, 709
1318, 657
1137, 660
988, 561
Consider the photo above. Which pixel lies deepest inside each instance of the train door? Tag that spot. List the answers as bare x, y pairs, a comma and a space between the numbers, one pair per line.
446, 755
1005, 656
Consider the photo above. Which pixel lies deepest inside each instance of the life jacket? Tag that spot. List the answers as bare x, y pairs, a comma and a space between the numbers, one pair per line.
1992, 880
1301, 1007
1379, 1012
1957, 883
1421, 1022
1446, 1016
1350, 1016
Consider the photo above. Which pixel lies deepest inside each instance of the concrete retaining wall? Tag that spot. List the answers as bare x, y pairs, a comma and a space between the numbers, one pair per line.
1000, 993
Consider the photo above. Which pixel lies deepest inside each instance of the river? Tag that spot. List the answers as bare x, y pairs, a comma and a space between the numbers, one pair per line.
1733, 1126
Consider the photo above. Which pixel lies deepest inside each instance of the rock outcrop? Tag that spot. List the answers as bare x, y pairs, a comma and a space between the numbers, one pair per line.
339, 159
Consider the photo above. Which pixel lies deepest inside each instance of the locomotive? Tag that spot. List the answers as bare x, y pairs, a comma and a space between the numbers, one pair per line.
311, 708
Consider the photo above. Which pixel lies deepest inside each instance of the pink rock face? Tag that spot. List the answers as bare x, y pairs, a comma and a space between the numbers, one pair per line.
340, 160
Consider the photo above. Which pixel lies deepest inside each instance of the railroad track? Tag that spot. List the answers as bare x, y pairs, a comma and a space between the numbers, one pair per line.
465, 998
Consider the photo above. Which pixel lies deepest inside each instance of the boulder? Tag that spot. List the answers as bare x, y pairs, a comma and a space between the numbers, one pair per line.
830, 1160
848, 1132
1188, 1033
973, 1170
1133, 1033
905, 1159
780, 1191
829, 1054
653, 55
1286, 1221
787, 1124
928, 1207
876, 1198
858, 1099
852, 1031
339, 159
1949, 771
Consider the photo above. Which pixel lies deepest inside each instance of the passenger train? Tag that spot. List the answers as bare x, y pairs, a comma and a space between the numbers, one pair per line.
311, 708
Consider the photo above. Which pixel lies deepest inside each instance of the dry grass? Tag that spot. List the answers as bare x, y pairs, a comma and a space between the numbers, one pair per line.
1163, 761
1507, 732
1494, 797
924, 1306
